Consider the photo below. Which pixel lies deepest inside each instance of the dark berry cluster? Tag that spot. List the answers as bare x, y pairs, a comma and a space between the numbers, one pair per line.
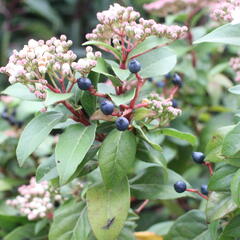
11, 118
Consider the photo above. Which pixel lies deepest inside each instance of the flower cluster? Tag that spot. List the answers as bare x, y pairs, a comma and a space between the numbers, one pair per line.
163, 108
119, 24
235, 64
36, 200
227, 11
165, 7
39, 61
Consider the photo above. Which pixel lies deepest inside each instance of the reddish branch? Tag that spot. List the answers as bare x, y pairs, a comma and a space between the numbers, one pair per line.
197, 192
142, 206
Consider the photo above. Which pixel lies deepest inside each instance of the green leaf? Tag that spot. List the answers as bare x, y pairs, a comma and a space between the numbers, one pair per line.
227, 34
123, 98
235, 188
146, 45
102, 68
44, 9
157, 62
156, 182
8, 223
235, 90
40, 225
56, 97
35, 133
116, 156
66, 222
231, 143
189, 226
145, 138
71, 149
178, 134
89, 101
162, 228
19, 90
47, 170
122, 74
108, 209
219, 205
105, 45
232, 229
20, 233
221, 179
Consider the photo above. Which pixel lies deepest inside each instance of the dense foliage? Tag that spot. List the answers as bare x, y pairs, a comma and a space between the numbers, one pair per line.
126, 127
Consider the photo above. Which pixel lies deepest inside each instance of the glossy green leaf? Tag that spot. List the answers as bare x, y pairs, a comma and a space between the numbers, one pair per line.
19, 90
157, 62
66, 222
227, 34
104, 45
232, 229
122, 74
235, 187
47, 170
178, 134
148, 44
71, 149
231, 143
145, 138
221, 179
219, 205
56, 97
35, 133
108, 209
116, 156
189, 226
123, 98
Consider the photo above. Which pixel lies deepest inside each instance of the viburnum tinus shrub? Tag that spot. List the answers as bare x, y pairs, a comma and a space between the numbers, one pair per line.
110, 128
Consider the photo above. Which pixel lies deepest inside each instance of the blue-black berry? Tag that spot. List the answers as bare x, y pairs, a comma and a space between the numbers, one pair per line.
134, 66
150, 79
204, 190
174, 103
84, 83
4, 115
180, 186
168, 76
160, 84
107, 107
177, 80
122, 123
198, 157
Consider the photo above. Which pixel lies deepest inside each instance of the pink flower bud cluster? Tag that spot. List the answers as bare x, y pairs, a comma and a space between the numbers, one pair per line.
235, 64
165, 7
39, 60
118, 24
36, 200
163, 108
226, 11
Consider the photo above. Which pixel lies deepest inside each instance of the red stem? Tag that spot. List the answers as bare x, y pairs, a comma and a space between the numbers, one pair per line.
142, 206
52, 88
197, 192
141, 105
209, 165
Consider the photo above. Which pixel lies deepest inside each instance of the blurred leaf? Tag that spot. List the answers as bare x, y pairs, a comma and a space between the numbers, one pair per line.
219, 205
235, 90
157, 62
227, 34
19, 90
147, 236
44, 9
56, 97
235, 187
22, 232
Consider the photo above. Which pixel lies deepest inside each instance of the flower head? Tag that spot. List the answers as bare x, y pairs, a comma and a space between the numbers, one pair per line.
36, 200
119, 24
